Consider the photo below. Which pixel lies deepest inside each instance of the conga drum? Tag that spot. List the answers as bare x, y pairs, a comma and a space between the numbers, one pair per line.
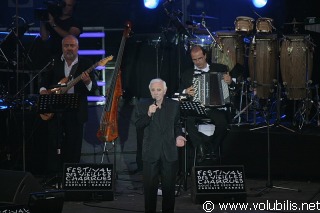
244, 24
264, 25
229, 49
296, 64
263, 63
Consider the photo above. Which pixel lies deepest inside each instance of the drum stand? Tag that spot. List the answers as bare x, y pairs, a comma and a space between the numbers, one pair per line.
244, 92
302, 114
317, 105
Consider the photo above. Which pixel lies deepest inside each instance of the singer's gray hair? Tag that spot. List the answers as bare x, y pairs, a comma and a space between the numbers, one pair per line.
158, 80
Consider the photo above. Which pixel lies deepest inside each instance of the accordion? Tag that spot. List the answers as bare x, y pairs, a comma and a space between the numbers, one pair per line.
211, 90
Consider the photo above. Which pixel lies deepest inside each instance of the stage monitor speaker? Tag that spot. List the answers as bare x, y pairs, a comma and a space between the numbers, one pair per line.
218, 184
87, 181
48, 202
15, 186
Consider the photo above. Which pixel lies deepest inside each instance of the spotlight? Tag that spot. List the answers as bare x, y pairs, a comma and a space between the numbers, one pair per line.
151, 4
259, 3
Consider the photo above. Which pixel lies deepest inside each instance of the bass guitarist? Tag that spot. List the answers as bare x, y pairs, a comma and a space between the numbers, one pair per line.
65, 129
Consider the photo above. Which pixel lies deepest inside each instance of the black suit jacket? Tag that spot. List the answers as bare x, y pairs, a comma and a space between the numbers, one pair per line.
187, 75
54, 75
160, 130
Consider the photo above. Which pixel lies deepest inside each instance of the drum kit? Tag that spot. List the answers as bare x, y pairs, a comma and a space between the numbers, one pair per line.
279, 69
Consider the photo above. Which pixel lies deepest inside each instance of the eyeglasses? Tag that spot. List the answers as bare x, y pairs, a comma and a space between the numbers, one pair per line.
198, 59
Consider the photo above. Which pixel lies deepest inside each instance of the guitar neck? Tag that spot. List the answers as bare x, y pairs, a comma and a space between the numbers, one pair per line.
76, 80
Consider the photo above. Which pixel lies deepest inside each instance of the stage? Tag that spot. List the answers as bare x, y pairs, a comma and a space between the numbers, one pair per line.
293, 155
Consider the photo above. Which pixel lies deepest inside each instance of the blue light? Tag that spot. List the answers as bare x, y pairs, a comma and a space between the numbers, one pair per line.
151, 4
259, 3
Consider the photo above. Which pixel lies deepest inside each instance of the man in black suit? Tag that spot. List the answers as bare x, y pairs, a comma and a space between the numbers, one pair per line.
65, 130
207, 145
160, 119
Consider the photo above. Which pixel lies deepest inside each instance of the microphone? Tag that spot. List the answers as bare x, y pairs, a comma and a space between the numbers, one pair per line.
155, 103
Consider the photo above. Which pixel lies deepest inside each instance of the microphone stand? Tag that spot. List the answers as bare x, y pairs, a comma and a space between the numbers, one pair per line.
203, 23
253, 86
23, 112
269, 184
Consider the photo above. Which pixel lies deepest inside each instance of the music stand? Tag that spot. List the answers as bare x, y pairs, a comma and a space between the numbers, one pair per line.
50, 103
57, 103
192, 108
189, 108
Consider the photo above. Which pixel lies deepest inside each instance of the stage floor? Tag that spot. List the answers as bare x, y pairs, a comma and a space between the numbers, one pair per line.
294, 163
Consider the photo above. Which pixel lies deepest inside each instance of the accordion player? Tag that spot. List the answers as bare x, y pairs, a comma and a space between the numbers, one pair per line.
211, 90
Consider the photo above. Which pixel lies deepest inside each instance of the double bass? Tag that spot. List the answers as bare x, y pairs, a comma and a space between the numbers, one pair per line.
108, 129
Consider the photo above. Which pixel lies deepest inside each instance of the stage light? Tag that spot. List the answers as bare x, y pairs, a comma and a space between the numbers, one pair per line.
151, 4
259, 3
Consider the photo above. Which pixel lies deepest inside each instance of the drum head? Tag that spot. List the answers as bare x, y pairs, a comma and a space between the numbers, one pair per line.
244, 24
245, 18
264, 25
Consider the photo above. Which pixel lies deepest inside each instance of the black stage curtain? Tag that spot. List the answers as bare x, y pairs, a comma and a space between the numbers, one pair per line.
149, 56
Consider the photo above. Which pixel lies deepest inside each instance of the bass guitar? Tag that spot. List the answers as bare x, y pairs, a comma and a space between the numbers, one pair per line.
108, 129
70, 84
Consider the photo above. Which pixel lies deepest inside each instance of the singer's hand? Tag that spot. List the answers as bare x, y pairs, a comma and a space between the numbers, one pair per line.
180, 141
152, 109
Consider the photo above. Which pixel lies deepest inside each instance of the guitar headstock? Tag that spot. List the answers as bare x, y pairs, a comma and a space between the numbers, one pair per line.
104, 61
127, 29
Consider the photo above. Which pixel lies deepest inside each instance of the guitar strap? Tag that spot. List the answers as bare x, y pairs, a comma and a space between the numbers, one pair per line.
72, 71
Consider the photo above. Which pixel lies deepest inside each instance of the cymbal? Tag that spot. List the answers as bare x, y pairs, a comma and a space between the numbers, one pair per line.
203, 16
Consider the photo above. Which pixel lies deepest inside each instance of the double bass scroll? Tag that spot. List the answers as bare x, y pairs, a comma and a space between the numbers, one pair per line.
108, 129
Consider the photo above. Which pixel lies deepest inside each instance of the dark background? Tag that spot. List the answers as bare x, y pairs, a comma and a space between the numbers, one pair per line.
144, 58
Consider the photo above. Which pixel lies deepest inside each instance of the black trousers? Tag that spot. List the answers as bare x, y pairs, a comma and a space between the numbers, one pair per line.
139, 132
65, 135
167, 172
